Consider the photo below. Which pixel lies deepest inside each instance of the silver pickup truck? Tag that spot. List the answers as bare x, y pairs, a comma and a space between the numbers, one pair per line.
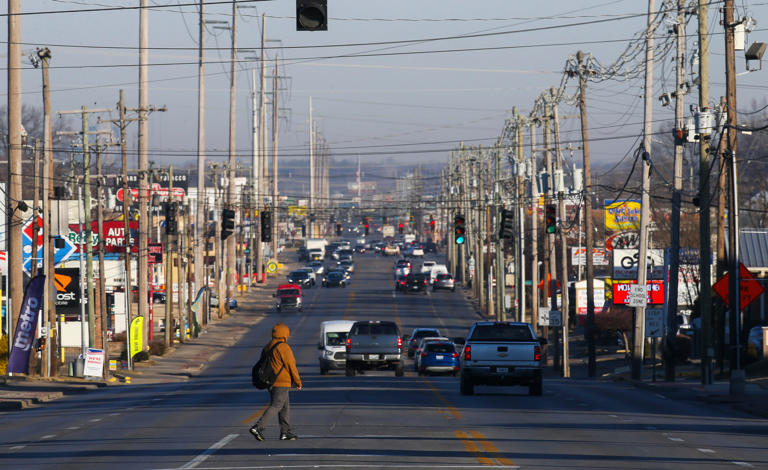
374, 345
501, 353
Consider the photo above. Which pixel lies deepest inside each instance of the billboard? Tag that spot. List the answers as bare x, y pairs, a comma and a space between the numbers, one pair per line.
67, 283
625, 264
622, 214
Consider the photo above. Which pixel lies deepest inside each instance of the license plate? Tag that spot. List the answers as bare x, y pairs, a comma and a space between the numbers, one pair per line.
502, 370
438, 357
374, 357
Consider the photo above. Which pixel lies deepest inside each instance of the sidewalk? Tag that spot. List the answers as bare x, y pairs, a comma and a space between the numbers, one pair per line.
180, 363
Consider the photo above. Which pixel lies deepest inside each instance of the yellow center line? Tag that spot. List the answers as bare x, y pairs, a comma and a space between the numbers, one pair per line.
348, 307
472, 448
251, 418
490, 449
451, 409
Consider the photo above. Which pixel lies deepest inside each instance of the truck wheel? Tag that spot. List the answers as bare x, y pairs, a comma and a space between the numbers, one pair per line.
349, 372
399, 370
278, 309
323, 371
536, 389
466, 386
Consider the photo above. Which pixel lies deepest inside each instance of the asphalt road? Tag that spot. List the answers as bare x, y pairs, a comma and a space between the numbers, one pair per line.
375, 420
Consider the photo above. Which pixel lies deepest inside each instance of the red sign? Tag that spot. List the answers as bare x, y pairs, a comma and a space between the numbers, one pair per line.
655, 290
155, 251
114, 235
178, 193
749, 288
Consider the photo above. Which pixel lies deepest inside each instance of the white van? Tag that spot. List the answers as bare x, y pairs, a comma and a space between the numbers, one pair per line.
437, 269
333, 345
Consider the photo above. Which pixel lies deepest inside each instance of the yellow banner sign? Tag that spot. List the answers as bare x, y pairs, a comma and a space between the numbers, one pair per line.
137, 335
622, 215
297, 211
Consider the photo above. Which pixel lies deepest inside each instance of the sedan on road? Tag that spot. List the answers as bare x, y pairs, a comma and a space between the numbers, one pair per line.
417, 334
335, 279
438, 357
444, 281
318, 266
301, 278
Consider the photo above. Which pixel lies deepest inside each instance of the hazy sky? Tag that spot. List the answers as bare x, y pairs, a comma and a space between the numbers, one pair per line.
409, 101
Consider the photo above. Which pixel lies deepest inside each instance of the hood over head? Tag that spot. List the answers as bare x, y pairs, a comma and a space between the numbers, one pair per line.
280, 332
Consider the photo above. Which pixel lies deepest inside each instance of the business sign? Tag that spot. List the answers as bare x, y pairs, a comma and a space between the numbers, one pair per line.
622, 240
654, 290
598, 296
114, 236
26, 327
159, 186
94, 363
137, 335
579, 256
623, 214
59, 254
297, 211
625, 264
155, 253
67, 283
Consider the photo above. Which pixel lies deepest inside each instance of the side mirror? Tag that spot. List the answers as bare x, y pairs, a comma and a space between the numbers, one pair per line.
320, 346
460, 341
543, 341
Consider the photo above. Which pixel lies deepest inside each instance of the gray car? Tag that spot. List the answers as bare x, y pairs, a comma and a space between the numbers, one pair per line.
444, 281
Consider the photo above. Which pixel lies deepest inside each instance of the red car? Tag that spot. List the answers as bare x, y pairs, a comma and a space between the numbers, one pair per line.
288, 296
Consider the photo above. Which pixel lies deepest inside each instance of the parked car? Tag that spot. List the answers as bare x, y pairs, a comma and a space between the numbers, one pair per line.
300, 277
416, 282
374, 345
444, 281
335, 279
416, 335
288, 296
214, 301
439, 357
333, 345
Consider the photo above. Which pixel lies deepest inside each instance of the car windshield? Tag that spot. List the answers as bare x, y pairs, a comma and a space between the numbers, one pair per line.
425, 333
288, 292
299, 274
336, 338
501, 332
335, 275
443, 277
440, 348
375, 329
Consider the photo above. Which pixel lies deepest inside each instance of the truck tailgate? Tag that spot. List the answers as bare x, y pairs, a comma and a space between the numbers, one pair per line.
508, 353
373, 344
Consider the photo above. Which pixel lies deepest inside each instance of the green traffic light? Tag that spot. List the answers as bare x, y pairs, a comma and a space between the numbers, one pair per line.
460, 240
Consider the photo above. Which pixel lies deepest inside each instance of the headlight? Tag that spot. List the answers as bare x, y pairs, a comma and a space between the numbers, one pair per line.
328, 354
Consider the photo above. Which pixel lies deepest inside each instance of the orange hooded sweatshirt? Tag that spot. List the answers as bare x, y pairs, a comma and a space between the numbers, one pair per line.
282, 357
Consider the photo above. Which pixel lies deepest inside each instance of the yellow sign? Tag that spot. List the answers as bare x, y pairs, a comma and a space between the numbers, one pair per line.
137, 335
272, 266
622, 215
297, 211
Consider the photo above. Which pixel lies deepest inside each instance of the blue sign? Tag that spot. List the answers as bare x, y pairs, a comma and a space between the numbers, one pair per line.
59, 254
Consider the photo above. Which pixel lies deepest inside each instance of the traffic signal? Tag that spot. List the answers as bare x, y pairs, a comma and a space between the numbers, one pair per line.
459, 229
410, 220
339, 229
507, 225
366, 229
266, 226
311, 15
551, 218
170, 218
227, 223
400, 227
431, 224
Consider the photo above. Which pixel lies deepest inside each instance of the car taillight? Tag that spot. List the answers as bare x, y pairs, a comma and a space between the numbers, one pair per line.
349, 343
467, 353
537, 353
399, 343
425, 282
455, 355
423, 354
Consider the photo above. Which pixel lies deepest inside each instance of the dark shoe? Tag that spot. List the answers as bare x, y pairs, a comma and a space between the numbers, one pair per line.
257, 434
288, 436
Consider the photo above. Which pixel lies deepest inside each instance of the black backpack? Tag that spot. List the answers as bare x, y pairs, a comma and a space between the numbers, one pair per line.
262, 374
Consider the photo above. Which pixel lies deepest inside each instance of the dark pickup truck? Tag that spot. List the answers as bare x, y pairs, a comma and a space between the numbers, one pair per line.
374, 345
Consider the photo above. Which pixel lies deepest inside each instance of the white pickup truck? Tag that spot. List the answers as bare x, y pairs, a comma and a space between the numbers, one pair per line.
501, 353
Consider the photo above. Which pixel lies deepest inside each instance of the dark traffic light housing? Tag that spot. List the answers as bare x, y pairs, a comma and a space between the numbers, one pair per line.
227, 223
311, 15
266, 226
170, 218
339, 229
459, 229
507, 225
551, 218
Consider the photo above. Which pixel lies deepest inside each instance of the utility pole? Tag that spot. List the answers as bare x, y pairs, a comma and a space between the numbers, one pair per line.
520, 245
590, 330
14, 195
169, 327
230, 241
201, 222
217, 241
311, 214
263, 119
565, 300
127, 201
102, 270
500, 252
49, 304
642, 261
255, 183
143, 139
534, 229
674, 268
722, 260
550, 265
705, 249
737, 373
275, 188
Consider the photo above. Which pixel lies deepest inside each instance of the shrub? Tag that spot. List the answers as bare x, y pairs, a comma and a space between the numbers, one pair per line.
157, 348
141, 356
682, 349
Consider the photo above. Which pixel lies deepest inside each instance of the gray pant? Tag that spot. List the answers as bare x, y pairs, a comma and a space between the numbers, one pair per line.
280, 405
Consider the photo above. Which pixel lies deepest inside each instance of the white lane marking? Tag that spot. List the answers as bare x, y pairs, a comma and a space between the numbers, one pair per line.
743, 464
202, 457
393, 295
156, 399
114, 414
676, 439
95, 420
73, 428
661, 396
706, 451
48, 436
17, 447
